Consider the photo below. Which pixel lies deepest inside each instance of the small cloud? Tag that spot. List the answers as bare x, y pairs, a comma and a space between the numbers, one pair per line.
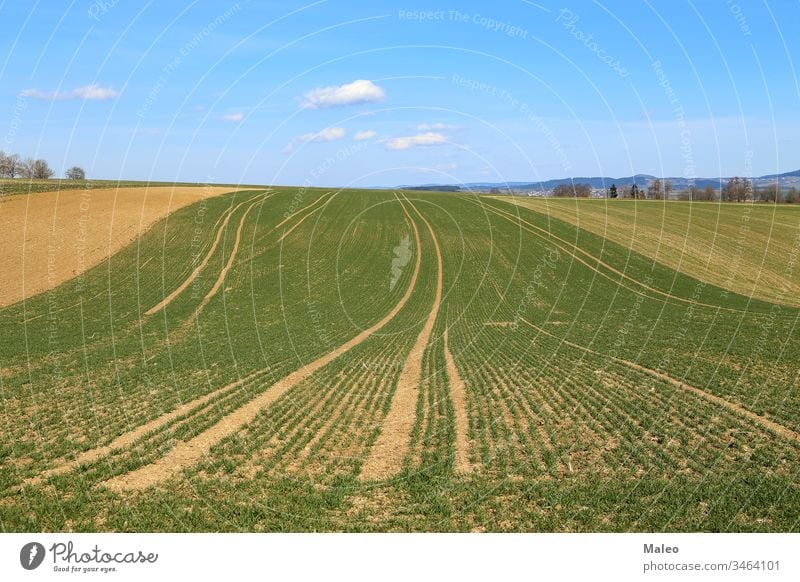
88, 93
436, 127
199, 108
327, 134
367, 134
439, 168
422, 139
360, 91
95, 93
233, 117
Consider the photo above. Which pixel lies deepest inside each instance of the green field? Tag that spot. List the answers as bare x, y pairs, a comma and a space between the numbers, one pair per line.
746, 248
603, 389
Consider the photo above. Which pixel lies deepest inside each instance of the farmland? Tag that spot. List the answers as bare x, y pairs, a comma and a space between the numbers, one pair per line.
745, 249
52, 236
293, 359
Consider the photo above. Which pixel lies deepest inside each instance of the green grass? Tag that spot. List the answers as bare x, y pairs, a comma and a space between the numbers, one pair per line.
746, 248
562, 438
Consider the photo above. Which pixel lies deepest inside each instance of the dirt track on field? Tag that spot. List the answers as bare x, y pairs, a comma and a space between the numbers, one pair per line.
389, 451
50, 237
231, 258
573, 251
187, 453
458, 392
697, 239
130, 437
194, 274
738, 409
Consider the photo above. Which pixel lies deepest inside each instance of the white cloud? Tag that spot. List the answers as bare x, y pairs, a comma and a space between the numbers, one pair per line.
359, 91
95, 93
233, 117
422, 139
439, 168
327, 134
367, 134
436, 127
88, 93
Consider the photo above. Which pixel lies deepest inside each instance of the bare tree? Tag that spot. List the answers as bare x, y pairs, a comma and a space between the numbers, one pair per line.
41, 170
76, 173
772, 193
667, 189
709, 193
655, 190
792, 196
9, 165
26, 168
737, 190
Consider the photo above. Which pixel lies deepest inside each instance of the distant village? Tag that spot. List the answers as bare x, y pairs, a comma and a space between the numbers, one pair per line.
782, 189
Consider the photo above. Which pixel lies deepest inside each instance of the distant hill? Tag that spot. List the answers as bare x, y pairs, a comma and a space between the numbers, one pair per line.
795, 174
434, 188
786, 179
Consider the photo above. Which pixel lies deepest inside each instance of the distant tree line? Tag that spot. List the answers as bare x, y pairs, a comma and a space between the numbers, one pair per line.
735, 190
13, 166
572, 190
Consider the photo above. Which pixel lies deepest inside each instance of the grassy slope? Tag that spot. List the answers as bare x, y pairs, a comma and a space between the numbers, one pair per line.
564, 440
747, 249
22, 186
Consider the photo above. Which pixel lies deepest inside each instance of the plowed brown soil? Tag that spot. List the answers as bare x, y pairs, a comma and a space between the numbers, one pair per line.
50, 237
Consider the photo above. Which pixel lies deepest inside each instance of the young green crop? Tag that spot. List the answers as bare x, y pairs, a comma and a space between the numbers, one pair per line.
569, 427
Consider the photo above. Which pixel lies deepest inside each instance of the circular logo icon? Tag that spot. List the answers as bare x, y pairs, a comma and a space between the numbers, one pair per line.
31, 555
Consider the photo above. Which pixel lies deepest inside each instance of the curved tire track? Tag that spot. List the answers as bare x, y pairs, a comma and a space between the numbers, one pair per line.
738, 409
391, 448
231, 258
550, 237
188, 453
194, 274
130, 437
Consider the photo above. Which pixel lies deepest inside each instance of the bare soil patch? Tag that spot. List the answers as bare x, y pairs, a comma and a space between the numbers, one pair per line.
50, 237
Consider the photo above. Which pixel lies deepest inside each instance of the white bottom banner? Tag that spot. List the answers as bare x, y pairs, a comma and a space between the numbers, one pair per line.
356, 557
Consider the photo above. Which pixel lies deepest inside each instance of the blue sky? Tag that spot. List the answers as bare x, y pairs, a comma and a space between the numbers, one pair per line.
277, 92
